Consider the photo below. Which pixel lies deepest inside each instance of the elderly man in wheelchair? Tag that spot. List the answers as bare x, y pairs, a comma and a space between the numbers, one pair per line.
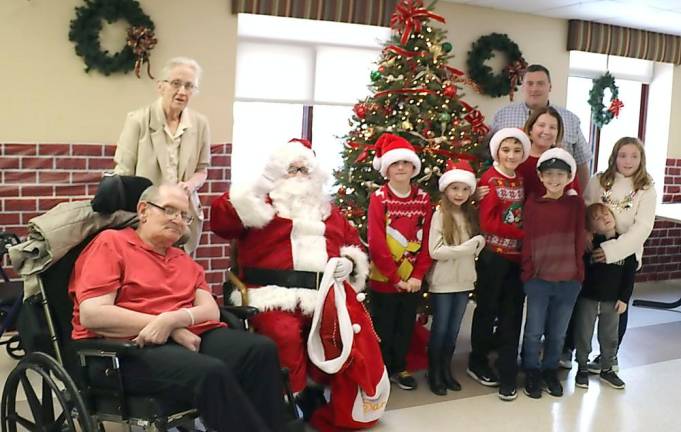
133, 284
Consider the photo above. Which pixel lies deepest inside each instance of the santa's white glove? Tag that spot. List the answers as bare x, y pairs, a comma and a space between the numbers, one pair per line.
343, 269
272, 171
263, 186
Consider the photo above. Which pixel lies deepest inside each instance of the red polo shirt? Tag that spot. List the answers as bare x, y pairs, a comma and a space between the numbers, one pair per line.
145, 281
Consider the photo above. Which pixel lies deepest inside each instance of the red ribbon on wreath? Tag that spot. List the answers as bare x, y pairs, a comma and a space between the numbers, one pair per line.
515, 71
615, 106
141, 39
409, 16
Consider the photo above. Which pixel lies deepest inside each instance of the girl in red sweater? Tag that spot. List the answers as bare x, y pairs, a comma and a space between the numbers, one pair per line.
499, 291
398, 225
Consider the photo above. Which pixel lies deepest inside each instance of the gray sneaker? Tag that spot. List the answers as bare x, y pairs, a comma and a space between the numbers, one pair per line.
582, 379
594, 366
566, 360
610, 377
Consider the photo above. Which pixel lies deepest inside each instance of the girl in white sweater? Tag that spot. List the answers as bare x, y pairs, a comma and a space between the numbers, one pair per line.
453, 244
628, 190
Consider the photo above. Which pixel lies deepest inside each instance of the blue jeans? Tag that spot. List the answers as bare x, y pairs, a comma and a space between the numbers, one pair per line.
549, 307
448, 310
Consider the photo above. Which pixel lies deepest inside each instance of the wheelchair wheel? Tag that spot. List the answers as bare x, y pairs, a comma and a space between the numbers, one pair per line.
14, 348
58, 407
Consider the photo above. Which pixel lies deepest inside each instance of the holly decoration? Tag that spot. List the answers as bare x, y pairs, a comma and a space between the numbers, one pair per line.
417, 96
86, 26
599, 114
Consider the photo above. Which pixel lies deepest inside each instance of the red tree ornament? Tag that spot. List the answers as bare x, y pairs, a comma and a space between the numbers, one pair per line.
449, 91
360, 110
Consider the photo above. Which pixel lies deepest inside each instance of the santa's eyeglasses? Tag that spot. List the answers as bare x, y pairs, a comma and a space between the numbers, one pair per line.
293, 170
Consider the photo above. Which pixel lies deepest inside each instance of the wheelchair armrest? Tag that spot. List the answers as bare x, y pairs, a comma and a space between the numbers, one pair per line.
241, 312
115, 346
237, 317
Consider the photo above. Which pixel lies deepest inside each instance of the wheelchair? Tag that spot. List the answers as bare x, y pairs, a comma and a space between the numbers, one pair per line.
80, 381
11, 294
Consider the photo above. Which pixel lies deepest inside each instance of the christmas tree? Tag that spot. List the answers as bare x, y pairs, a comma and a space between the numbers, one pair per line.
415, 95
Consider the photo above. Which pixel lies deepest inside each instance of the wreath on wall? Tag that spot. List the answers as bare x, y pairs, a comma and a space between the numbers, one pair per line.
87, 25
505, 82
599, 114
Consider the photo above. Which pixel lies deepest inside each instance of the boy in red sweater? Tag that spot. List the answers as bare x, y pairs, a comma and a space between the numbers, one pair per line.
398, 226
499, 292
553, 270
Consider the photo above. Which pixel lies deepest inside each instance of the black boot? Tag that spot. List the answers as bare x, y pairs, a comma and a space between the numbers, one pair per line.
437, 386
446, 364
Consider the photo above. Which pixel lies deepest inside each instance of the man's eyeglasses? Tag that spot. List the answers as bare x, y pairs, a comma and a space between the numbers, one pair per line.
176, 84
172, 212
293, 170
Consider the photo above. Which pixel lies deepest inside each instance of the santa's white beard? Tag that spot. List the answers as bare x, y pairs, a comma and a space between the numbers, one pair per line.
300, 198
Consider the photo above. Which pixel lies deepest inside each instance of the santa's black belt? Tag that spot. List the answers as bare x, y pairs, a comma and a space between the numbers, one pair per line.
283, 278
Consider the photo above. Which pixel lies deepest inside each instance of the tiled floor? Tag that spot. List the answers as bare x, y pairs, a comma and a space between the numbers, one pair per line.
650, 361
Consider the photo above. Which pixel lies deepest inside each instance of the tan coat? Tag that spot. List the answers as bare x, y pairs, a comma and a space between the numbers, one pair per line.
53, 234
141, 150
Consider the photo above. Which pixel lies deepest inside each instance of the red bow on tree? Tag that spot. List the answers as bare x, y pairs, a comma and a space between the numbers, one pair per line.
409, 16
615, 106
476, 119
514, 71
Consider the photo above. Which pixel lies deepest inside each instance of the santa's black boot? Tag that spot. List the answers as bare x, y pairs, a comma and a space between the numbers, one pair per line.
435, 382
446, 365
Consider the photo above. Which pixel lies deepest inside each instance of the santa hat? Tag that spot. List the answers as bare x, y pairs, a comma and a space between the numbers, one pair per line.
459, 171
505, 133
557, 158
296, 150
392, 148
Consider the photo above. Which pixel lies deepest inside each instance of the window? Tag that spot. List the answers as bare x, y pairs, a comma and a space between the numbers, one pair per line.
298, 78
633, 76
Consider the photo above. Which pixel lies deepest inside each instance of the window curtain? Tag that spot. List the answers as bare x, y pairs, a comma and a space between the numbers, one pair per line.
623, 41
370, 12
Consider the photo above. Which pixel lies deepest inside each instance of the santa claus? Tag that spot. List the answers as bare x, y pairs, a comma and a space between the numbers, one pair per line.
287, 234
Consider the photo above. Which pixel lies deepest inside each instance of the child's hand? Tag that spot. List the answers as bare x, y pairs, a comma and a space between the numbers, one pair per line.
480, 243
598, 255
414, 284
481, 192
402, 286
620, 307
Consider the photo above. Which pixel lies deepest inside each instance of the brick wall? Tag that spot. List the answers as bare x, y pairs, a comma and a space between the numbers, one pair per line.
672, 181
36, 177
662, 253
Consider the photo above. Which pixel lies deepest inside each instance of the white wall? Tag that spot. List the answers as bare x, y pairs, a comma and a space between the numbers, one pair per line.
47, 96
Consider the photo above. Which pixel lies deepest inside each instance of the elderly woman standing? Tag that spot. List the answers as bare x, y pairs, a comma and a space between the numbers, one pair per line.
167, 142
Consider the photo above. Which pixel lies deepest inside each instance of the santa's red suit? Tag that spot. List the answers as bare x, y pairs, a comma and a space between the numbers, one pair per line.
268, 241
